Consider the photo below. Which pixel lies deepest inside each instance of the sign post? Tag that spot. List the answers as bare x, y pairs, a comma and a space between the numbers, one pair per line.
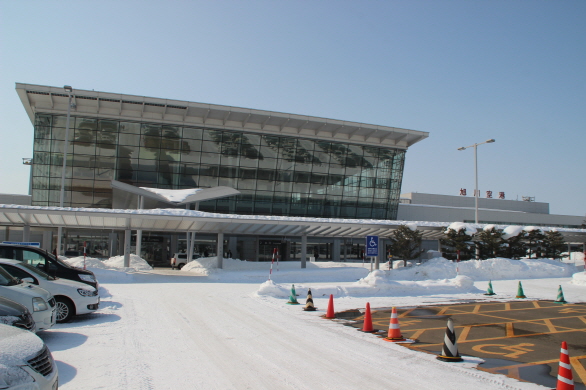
371, 248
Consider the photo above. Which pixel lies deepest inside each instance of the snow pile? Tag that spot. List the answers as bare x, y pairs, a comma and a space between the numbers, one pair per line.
457, 226
136, 263
90, 262
579, 278
511, 231
113, 263
491, 269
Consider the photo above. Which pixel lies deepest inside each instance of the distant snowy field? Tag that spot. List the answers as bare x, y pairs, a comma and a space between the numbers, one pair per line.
230, 328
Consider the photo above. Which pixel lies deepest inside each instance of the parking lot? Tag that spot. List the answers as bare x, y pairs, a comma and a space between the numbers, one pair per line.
520, 339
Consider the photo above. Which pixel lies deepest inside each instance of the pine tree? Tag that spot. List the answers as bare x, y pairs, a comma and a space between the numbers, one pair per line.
491, 242
514, 247
454, 241
534, 242
406, 243
553, 244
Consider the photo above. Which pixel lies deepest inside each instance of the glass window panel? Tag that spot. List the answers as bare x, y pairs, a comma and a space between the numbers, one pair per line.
105, 150
210, 147
228, 182
84, 148
267, 163
229, 160
208, 181
210, 158
301, 187
89, 124
43, 120
125, 152
42, 145
61, 121
192, 157
43, 128
192, 133
40, 195
265, 185
79, 160
148, 153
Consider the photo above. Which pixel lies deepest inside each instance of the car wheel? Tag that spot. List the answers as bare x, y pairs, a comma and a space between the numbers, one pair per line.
180, 266
65, 309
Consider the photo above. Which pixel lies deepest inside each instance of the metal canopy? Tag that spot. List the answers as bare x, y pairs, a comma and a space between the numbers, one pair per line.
181, 221
54, 100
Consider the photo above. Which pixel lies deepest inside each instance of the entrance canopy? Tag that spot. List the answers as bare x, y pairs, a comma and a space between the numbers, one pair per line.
181, 221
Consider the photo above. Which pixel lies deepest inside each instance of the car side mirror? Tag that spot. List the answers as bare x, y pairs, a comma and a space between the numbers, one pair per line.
28, 280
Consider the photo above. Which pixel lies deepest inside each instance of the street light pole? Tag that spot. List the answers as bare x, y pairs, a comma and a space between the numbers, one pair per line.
69, 90
476, 192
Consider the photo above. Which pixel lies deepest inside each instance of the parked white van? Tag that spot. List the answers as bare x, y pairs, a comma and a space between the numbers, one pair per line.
38, 301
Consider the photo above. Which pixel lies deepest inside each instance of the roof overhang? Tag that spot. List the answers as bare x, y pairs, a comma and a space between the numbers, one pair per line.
54, 100
181, 220
198, 195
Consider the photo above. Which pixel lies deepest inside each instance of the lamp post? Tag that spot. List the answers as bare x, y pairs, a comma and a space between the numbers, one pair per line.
69, 91
475, 146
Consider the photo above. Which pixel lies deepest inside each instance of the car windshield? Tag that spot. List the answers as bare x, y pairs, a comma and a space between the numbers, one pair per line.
36, 271
61, 262
6, 279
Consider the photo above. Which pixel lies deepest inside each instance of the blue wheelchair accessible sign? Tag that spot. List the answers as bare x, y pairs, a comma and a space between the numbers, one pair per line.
371, 245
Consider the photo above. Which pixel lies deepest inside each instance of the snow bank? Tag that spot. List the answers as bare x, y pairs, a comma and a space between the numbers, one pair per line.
375, 284
113, 263
579, 278
491, 269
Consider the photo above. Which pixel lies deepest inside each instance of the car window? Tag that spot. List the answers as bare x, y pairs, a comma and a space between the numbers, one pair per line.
6, 279
38, 272
17, 272
8, 253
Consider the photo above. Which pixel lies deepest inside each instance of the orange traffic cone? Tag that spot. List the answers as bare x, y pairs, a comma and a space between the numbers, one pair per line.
565, 379
367, 327
394, 329
330, 313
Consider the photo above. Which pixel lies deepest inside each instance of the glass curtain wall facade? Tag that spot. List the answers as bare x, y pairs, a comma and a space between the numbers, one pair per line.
277, 175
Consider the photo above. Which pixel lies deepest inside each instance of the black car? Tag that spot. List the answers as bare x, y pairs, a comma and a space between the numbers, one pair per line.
12, 313
47, 262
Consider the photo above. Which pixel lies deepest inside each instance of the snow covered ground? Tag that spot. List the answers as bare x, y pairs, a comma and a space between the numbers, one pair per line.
205, 328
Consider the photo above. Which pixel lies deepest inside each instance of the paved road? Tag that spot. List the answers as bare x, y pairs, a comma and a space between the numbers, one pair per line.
520, 339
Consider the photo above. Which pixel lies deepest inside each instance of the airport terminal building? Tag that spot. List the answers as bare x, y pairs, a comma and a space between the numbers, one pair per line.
282, 164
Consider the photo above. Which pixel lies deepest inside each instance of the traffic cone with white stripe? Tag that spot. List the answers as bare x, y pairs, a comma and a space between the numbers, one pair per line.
394, 329
520, 293
330, 314
490, 291
560, 298
367, 327
565, 378
293, 297
309, 302
450, 348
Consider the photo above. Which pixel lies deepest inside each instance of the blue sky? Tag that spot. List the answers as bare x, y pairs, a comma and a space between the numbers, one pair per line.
464, 71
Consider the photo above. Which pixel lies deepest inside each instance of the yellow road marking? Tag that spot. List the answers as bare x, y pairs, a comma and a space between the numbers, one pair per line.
578, 367
464, 334
418, 333
549, 325
575, 361
512, 337
511, 351
509, 329
536, 304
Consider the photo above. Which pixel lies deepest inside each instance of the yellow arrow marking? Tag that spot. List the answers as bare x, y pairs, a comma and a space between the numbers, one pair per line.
572, 310
512, 351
